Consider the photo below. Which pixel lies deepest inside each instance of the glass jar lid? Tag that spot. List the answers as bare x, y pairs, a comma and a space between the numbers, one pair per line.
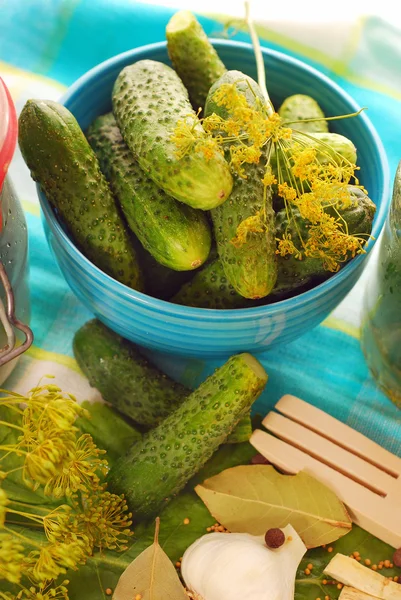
8, 130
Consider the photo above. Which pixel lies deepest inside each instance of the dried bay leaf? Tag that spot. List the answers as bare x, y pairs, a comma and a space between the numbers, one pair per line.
252, 499
151, 576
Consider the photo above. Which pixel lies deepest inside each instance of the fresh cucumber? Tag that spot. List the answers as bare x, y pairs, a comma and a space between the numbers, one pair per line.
124, 377
193, 56
296, 108
209, 287
63, 163
242, 431
160, 281
149, 102
130, 383
251, 268
176, 235
102, 425
159, 466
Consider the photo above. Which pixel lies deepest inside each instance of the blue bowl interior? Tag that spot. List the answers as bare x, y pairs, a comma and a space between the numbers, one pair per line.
90, 97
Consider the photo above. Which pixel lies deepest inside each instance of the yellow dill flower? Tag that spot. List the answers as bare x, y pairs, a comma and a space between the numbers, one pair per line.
253, 224
186, 134
46, 456
310, 206
208, 147
327, 242
80, 469
45, 591
269, 178
55, 559
12, 559
304, 159
47, 407
287, 192
286, 246
228, 96
106, 520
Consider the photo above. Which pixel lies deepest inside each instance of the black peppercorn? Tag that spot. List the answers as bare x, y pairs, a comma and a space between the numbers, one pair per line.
274, 538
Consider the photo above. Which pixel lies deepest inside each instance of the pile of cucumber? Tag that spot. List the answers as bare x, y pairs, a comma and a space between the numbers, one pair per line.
174, 431
160, 215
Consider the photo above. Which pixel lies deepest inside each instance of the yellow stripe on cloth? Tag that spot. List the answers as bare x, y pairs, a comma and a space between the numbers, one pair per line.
26, 76
30, 207
338, 325
60, 359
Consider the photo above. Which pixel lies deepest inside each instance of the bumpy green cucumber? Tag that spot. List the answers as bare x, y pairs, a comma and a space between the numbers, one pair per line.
129, 382
159, 466
209, 287
193, 56
298, 107
124, 377
242, 431
149, 101
160, 281
177, 235
102, 425
63, 163
251, 268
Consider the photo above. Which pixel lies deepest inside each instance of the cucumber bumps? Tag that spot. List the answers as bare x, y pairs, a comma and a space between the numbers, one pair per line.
159, 466
149, 102
63, 163
176, 235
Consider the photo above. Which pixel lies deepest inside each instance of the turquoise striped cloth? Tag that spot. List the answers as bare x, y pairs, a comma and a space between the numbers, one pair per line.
45, 46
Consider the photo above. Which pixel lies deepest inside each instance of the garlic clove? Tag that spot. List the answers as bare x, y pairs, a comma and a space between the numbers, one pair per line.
239, 566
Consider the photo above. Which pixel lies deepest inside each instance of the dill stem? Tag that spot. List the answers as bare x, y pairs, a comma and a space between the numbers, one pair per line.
11, 425
260, 65
26, 540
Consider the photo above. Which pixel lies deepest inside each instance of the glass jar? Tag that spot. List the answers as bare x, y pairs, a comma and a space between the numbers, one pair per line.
381, 325
15, 335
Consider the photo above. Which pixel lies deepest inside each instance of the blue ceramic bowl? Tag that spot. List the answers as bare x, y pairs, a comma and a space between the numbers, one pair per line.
195, 332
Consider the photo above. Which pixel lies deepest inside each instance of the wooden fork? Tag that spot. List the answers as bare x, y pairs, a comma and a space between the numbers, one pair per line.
365, 476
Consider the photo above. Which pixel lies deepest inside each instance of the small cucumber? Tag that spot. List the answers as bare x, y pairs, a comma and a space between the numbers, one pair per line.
129, 382
63, 163
149, 101
102, 425
251, 268
210, 288
298, 107
159, 466
176, 235
242, 431
124, 377
160, 282
193, 56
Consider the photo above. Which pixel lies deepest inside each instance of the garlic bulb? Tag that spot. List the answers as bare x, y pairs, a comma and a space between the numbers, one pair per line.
239, 566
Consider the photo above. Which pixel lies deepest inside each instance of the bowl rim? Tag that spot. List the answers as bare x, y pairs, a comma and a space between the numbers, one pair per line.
229, 315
